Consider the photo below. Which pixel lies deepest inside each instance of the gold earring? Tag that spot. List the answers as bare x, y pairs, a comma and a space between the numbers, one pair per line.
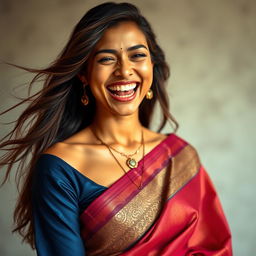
85, 98
149, 94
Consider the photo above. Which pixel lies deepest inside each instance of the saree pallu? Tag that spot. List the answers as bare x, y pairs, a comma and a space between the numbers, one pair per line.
176, 212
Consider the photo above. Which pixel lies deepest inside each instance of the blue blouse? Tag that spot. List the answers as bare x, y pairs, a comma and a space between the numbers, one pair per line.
60, 194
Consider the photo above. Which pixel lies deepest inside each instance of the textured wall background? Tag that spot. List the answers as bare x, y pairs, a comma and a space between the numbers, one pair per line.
210, 46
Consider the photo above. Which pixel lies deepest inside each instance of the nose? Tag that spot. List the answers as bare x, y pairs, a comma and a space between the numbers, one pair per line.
124, 68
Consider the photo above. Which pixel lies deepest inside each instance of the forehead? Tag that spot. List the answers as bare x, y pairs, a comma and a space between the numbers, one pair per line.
122, 35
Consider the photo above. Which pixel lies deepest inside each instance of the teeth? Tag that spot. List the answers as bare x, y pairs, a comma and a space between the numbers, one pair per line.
126, 96
122, 88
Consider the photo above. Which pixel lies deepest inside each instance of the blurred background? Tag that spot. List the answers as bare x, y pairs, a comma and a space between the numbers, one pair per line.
210, 46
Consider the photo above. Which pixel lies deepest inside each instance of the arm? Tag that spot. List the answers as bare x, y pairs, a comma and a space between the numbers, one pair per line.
55, 213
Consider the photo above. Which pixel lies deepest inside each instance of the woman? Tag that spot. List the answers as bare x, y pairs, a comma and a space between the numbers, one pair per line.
99, 181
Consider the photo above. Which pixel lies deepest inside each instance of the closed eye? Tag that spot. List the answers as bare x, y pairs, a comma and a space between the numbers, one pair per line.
106, 60
138, 56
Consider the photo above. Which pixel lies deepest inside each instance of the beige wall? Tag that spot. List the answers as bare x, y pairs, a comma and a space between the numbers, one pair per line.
210, 46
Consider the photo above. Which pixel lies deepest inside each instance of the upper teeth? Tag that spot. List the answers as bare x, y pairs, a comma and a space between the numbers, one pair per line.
126, 87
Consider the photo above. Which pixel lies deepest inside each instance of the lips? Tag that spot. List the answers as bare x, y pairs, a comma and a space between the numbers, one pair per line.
123, 91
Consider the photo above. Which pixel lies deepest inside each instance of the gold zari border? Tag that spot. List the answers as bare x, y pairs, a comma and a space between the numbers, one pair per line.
136, 217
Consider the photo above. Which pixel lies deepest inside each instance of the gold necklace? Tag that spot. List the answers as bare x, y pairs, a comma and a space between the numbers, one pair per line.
109, 148
130, 161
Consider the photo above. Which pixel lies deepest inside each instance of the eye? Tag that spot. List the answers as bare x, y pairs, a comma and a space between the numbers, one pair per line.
106, 60
138, 56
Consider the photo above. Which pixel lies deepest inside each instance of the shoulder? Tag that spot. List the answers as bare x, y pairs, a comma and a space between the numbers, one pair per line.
53, 177
50, 164
74, 150
172, 141
152, 139
183, 144
185, 156
152, 136
60, 150
50, 170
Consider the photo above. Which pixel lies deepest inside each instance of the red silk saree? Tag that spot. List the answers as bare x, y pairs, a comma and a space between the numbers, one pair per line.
176, 213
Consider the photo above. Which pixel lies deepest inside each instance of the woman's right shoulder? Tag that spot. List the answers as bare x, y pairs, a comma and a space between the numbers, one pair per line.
58, 149
73, 151
57, 154
52, 160
52, 171
49, 164
64, 156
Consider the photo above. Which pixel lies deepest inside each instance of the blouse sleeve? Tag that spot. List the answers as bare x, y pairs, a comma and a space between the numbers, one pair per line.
55, 212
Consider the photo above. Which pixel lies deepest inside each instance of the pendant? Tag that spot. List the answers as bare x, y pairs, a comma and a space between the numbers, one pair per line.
132, 163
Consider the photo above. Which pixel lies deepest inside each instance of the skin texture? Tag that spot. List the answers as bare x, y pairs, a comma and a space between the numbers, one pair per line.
122, 65
114, 59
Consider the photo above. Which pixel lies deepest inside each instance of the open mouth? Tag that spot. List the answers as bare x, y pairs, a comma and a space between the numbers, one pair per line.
123, 91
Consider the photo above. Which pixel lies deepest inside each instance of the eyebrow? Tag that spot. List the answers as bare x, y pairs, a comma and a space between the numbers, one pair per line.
132, 48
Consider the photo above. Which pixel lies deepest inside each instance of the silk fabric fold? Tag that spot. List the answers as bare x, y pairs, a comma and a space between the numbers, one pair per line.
177, 212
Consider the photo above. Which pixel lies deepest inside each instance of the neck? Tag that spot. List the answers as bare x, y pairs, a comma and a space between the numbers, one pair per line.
122, 130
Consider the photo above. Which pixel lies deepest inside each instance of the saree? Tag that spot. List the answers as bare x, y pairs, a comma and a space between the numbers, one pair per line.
176, 212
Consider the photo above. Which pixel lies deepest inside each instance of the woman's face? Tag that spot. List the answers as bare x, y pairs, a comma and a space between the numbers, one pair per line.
120, 70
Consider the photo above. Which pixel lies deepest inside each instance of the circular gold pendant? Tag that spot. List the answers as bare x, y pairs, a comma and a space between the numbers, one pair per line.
132, 163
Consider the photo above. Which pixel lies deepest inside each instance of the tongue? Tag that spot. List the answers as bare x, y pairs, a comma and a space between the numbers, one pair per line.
122, 93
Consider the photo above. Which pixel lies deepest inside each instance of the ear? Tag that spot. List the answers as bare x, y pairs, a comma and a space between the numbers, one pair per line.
82, 79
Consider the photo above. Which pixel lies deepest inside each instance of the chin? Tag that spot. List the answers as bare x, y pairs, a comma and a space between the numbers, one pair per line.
125, 112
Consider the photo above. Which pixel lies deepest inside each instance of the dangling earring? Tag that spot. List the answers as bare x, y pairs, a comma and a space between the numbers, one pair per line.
149, 94
84, 98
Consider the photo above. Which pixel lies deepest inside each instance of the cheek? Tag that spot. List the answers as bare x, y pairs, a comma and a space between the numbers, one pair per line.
99, 75
147, 71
